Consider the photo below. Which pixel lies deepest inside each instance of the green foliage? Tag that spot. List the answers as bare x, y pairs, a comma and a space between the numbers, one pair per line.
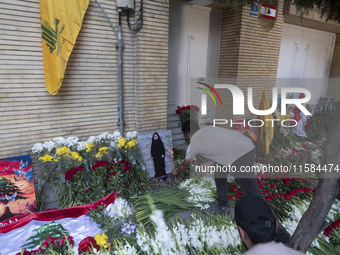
65, 195
170, 201
319, 122
327, 8
106, 223
324, 248
83, 186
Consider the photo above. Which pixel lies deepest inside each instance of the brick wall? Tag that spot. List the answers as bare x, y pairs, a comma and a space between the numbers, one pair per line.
249, 56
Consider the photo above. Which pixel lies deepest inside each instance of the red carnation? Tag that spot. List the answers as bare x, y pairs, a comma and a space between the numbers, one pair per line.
100, 163
127, 186
70, 240
87, 244
70, 173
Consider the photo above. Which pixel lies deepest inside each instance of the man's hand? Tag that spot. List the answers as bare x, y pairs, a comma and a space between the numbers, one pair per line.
184, 165
175, 171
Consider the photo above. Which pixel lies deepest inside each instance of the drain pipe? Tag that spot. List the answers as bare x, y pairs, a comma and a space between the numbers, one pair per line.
120, 72
120, 65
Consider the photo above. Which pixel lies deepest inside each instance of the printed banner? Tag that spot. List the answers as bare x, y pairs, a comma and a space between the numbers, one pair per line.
60, 24
17, 194
30, 231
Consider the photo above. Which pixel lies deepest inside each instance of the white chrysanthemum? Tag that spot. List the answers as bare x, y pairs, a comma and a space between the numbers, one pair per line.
50, 145
37, 148
113, 144
116, 136
59, 141
81, 146
71, 141
119, 209
102, 137
92, 139
131, 135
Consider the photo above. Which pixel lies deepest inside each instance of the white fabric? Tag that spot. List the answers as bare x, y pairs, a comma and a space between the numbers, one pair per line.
300, 127
78, 228
220, 145
272, 248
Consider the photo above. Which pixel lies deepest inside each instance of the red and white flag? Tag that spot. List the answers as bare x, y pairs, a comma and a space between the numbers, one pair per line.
268, 11
21, 232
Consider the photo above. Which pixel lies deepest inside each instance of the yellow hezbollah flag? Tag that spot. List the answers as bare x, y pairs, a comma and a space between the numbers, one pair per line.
267, 130
61, 21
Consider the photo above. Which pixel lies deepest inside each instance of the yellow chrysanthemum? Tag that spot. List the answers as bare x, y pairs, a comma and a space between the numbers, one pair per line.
64, 151
46, 158
89, 146
132, 143
101, 240
121, 142
104, 150
99, 155
75, 155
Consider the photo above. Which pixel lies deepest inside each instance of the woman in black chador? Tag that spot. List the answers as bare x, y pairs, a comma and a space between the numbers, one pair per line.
158, 155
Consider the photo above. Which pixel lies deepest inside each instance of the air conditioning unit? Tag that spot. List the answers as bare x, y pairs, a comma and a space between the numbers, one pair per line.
126, 4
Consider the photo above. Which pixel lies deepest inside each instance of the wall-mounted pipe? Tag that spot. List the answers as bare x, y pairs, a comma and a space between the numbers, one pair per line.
119, 36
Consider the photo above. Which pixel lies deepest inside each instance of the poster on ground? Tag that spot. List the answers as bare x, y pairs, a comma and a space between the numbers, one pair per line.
17, 194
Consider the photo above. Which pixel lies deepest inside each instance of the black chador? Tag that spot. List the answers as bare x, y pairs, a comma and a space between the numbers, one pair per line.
158, 155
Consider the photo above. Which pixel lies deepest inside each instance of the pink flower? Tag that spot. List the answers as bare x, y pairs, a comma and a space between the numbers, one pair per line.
61, 242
